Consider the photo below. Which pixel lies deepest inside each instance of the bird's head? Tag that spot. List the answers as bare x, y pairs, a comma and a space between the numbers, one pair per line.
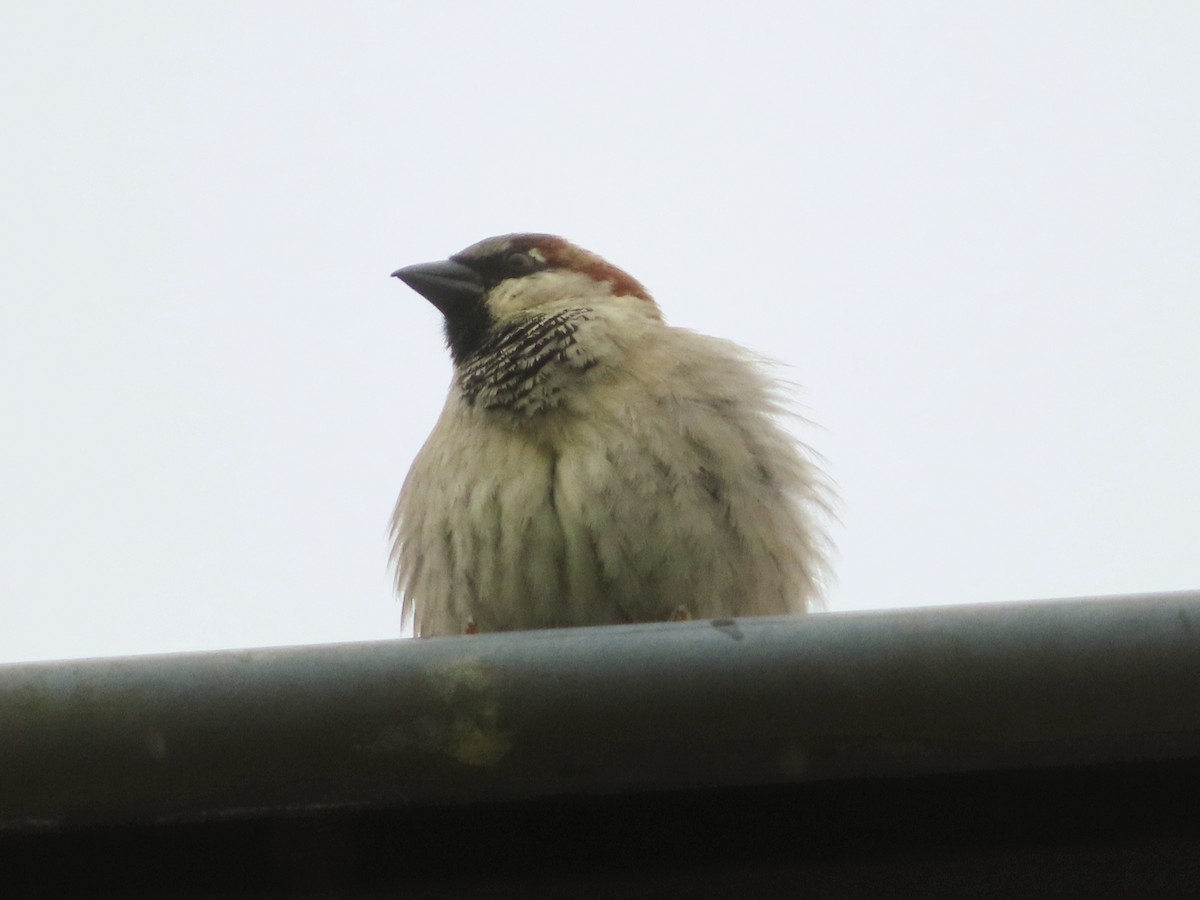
504, 279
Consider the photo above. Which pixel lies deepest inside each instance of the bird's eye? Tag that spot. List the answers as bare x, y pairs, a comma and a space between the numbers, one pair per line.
517, 262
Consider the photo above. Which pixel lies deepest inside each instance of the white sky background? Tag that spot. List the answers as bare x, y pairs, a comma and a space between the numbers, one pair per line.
971, 230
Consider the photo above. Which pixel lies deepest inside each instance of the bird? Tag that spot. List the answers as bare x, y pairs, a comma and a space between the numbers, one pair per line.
594, 465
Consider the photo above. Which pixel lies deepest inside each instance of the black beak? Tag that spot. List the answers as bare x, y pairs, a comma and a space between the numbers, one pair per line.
448, 285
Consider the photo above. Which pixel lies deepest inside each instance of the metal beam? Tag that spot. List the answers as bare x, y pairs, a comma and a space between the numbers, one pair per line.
585, 712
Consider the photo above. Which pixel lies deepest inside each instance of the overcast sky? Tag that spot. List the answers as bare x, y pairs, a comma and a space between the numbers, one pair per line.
970, 230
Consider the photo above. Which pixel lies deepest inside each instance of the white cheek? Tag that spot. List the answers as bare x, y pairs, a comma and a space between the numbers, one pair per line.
558, 289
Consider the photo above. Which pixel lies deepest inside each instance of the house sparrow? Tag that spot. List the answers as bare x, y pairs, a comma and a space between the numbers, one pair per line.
594, 465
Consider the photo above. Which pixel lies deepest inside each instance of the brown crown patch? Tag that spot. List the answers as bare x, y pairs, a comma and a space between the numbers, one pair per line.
558, 253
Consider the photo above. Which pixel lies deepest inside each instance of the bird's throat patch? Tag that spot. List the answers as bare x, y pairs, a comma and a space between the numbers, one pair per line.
522, 366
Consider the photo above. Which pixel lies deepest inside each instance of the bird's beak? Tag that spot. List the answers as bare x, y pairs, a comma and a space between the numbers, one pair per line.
448, 285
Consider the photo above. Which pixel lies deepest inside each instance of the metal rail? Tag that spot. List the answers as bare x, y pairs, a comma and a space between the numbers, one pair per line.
603, 711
